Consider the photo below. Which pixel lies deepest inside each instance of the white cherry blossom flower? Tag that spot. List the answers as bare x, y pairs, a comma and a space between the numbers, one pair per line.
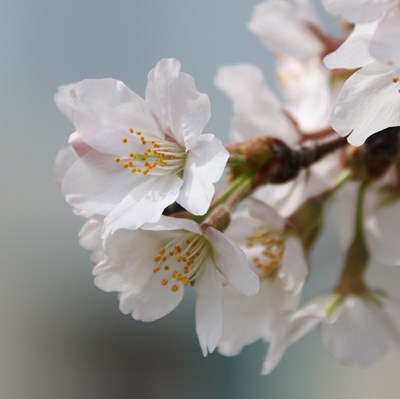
279, 261
309, 92
369, 101
355, 329
90, 238
257, 111
151, 266
379, 22
144, 154
284, 27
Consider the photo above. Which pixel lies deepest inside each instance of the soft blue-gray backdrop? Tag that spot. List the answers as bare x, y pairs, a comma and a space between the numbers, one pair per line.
62, 338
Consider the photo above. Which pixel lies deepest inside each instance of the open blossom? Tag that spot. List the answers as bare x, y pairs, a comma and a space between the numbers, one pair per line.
378, 19
151, 266
355, 329
292, 22
279, 261
142, 154
369, 101
257, 111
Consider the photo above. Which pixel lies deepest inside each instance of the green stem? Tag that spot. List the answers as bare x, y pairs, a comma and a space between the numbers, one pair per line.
352, 279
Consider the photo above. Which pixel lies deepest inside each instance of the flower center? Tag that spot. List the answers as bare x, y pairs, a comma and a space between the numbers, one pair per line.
179, 262
266, 249
159, 157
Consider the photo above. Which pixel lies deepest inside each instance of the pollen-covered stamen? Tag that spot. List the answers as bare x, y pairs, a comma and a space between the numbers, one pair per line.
179, 262
157, 157
267, 248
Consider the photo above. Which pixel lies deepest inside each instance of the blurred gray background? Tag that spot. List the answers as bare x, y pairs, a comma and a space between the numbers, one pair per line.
62, 338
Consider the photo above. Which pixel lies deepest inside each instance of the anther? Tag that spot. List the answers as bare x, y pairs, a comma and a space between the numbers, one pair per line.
174, 288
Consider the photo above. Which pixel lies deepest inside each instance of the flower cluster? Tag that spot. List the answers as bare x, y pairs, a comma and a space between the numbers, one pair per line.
142, 173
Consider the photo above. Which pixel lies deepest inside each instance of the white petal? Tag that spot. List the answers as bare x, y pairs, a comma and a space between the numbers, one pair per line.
368, 103
294, 268
360, 332
144, 203
173, 97
65, 100
208, 288
294, 38
355, 50
90, 239
308, 91
359, 11
232, 263
385, 45
65, 158
129, 260
247, 319
257, 111
266, 214
382, 228
299, 324
94, 183
171, 223
152, 302
241, 225
105, 109
203, 167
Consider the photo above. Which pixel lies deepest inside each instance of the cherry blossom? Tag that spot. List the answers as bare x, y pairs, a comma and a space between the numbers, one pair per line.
142, 155
278, 259
151, 266
355, 329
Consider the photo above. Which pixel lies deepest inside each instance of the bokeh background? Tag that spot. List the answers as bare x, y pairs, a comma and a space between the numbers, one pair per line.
62, 338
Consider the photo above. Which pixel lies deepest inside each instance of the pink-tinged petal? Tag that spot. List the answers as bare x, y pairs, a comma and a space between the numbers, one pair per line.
94, 183
144, 203
79, 146
257, 111
103, 112
359, 11
355, 50
232, 263
359, 333
295, 38
203, 167
65, 158
208, 287
385, 43
382, 229
90, 239
368, 103
173, 97
294, 269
